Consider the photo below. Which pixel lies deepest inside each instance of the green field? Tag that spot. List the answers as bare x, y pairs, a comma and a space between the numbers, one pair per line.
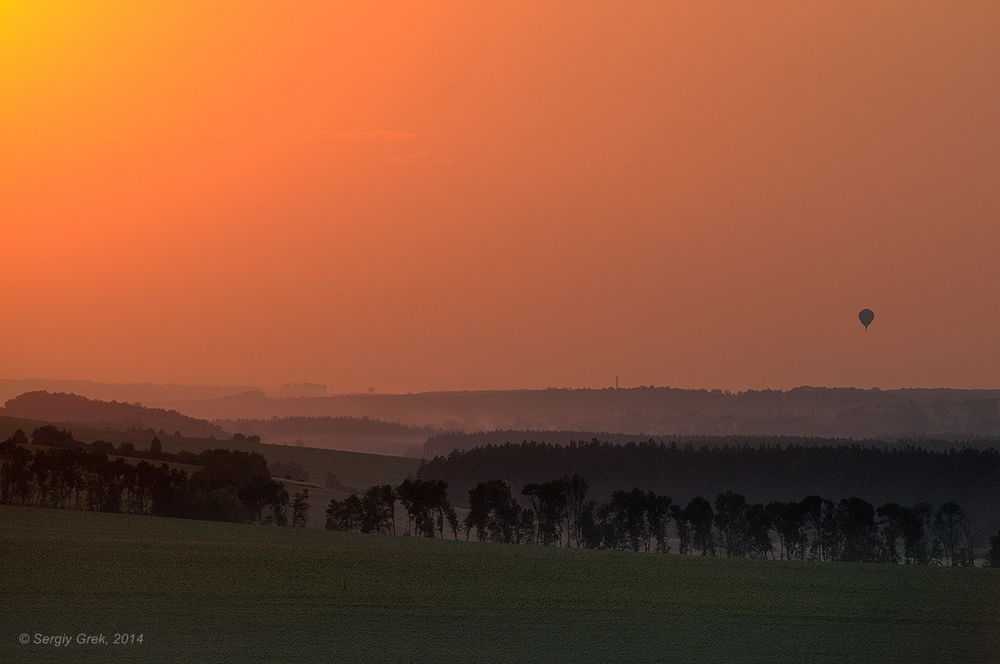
212, 592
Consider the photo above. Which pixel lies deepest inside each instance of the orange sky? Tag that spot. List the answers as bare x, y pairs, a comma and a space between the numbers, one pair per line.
442, 195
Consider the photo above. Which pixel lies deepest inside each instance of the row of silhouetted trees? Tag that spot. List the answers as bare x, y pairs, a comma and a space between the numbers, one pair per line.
60, 472
761, 471
53, 470
561, 513
424, 502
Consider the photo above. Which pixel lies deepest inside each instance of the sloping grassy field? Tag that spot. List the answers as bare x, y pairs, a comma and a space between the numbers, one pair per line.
355, 469
212, 592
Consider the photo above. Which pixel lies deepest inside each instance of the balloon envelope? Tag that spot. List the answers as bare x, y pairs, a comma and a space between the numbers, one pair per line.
866, 316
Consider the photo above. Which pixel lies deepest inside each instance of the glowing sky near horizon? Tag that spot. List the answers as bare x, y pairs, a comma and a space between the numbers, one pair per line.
448, 195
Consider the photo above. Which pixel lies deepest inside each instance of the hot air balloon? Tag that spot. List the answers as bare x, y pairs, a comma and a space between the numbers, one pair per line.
866, 316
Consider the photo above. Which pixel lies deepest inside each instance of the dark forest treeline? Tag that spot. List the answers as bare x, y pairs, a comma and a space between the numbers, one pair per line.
229, 485
905, 475
561, 513
445, 442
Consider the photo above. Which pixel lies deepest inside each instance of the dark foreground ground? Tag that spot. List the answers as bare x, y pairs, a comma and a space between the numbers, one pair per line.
210, 592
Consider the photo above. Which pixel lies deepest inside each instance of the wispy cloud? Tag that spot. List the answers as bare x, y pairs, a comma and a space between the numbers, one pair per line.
366, 135
356, 136
422, 158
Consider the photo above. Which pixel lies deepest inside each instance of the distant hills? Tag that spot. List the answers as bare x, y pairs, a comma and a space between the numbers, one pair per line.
918, 413
146, 393
803, 411
358, 434
75, 409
